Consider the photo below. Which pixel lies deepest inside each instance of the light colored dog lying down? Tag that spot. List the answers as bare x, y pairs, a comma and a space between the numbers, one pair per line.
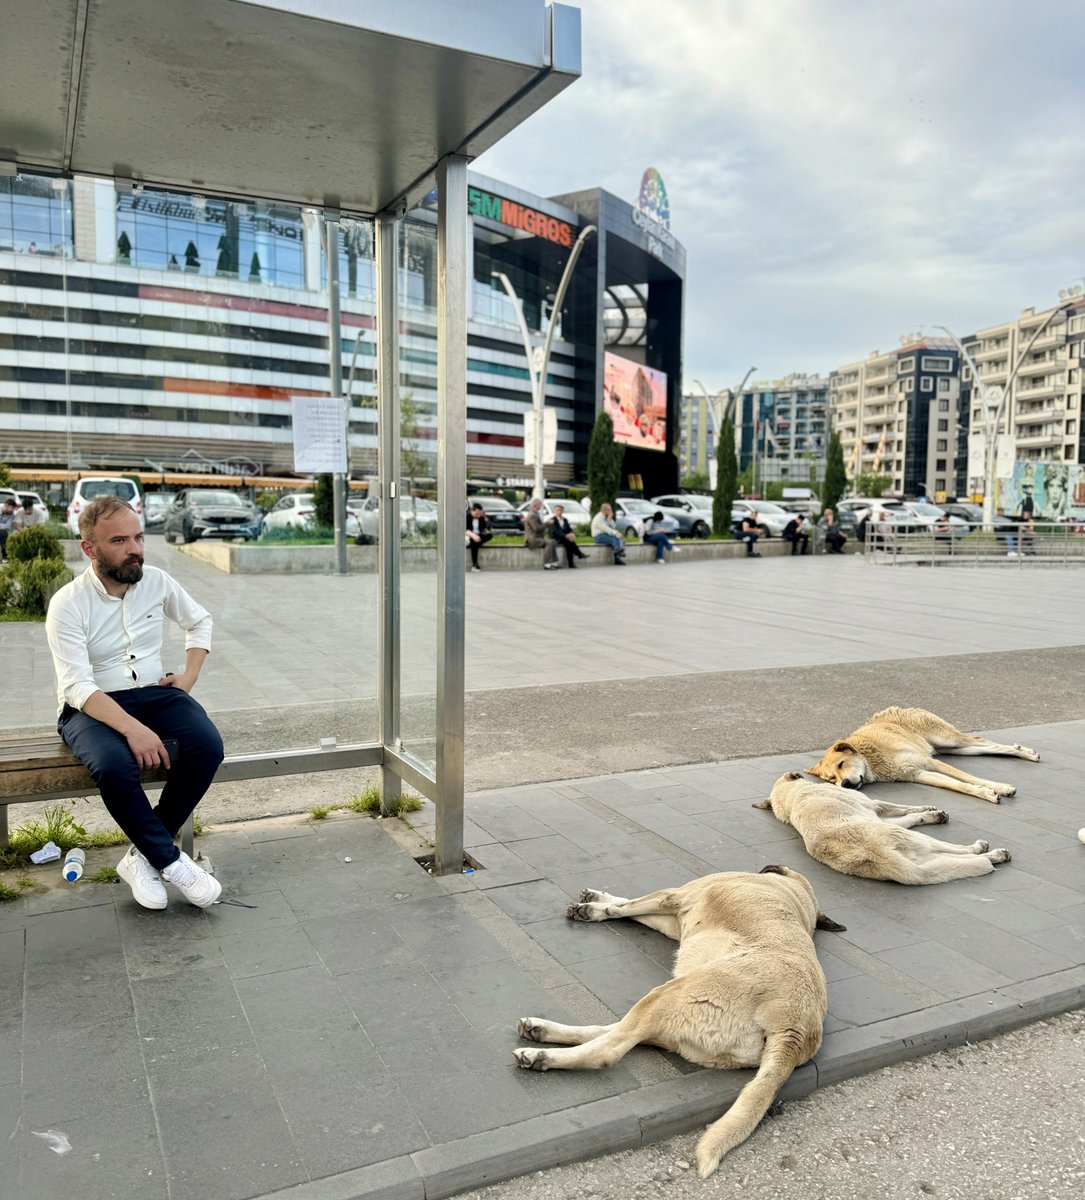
748, 990
898, 745
857, 835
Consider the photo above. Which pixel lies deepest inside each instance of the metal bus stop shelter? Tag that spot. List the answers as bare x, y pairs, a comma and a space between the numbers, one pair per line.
354, 108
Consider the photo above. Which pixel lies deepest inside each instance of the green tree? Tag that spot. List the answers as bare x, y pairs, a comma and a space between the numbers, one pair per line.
5, 475
324, 502
604, 462
836, 479
697, 481
726, 479
872, 485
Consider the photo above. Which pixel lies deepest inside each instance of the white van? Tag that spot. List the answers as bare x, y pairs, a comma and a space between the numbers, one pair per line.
92, 487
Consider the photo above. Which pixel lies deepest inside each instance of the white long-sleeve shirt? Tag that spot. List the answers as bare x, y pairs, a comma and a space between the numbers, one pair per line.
104, 643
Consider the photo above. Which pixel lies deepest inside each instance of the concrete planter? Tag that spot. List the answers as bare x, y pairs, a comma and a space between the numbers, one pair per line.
242, 558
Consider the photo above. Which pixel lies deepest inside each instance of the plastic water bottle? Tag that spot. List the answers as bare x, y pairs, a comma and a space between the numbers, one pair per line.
74, 861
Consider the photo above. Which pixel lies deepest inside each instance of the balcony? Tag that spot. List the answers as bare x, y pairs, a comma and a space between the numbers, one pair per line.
1048, 339
1041, 437
999, 350
1042, 366
1047, 412
1054, 385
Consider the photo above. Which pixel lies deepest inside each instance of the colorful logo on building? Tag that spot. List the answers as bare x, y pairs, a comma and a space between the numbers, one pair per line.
530, 220
653, 197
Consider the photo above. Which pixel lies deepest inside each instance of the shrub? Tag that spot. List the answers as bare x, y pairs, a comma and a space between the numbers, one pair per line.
35, 542
34, 584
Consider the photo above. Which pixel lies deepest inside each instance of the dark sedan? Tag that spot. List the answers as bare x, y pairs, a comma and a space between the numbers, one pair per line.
499, 512
207, 513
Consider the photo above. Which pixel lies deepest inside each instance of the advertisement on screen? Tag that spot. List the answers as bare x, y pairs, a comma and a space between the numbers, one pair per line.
635, 399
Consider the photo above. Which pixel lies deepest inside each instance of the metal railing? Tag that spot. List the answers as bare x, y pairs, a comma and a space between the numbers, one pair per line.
1042, 545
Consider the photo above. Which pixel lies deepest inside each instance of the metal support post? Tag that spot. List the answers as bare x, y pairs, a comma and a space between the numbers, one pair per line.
387, 228
335, 381
452, 280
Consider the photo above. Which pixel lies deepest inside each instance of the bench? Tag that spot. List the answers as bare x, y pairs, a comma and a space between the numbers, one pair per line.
41, 767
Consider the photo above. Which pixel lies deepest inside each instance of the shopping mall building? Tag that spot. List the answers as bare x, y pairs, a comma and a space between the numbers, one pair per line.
154, 330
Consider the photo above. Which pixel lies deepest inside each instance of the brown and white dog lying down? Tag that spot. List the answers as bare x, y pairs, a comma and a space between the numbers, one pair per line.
858, 835
748, 990
898, 744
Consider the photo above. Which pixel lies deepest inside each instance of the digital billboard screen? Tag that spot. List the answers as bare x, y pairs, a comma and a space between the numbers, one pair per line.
635, 399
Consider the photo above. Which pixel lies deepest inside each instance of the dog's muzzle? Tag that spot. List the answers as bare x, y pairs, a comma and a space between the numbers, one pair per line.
851, 783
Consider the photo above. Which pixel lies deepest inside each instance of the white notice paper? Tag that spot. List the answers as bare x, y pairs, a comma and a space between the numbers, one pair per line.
320, 434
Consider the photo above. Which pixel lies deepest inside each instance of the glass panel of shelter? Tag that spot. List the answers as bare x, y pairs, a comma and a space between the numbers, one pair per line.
164, 336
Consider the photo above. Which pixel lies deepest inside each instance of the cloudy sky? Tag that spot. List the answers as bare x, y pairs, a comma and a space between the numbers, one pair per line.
841, 172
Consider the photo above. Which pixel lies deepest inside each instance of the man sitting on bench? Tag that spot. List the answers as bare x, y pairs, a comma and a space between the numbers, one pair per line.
117, 703
797, 532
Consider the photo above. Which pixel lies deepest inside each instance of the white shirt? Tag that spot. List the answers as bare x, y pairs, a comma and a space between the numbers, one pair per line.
104, 643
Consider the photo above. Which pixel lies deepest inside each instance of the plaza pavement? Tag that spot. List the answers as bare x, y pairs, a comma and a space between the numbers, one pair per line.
345, 1028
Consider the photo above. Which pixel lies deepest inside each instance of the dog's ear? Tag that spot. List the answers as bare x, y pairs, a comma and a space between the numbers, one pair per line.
843, 748
793, 775
815, 770
761, 804
772, 870
824, 922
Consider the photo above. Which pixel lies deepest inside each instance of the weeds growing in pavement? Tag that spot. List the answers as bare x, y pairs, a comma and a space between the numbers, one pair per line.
370, 802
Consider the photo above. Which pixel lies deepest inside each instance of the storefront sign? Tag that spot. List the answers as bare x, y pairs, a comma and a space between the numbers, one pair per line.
530, 220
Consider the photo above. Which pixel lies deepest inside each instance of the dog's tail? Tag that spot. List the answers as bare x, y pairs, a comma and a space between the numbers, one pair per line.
782, 1054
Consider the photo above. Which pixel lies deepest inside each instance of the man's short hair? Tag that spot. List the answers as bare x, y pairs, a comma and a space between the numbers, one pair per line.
97, 510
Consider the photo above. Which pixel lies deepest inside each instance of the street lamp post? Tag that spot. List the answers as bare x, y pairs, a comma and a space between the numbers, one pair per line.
538, 358
993, 399
722, 411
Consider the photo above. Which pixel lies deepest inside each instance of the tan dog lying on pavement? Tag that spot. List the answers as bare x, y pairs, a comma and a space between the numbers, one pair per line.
898, 745
846, 831
748, 990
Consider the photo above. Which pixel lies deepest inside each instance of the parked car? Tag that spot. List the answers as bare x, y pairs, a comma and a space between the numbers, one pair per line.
155, 507
692, 512
631, 513
973, 514
93, 487
927, 514
415, 514
198, 513
503, 517
296, 511
575, 512
774, 518
40, 507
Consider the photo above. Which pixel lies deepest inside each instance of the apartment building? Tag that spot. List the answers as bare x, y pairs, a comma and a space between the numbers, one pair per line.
901, 414
697, 434
783, 427
1035, 363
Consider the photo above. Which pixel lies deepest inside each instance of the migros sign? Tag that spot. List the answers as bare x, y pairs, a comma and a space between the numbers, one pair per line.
530, 220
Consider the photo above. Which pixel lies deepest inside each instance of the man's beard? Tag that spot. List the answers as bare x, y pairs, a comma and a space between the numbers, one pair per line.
129, 571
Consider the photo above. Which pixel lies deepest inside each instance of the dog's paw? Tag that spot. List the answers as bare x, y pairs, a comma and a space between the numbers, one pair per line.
530, 1060
1005, 789
980, 847
585, 912
530, 1028
937, 816
1025, 752
989, 794
999, 856
589, 894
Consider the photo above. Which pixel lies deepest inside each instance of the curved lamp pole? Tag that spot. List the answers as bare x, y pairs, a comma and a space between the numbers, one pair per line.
538, 358
728, 411
993, 398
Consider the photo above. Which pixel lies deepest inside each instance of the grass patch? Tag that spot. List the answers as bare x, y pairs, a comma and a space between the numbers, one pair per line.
7, 893
106, 837
25, 882
370, 802
57, 825
105, 875
319, 812
17, 614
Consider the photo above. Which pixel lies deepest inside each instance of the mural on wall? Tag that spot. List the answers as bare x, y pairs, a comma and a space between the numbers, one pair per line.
1057, 490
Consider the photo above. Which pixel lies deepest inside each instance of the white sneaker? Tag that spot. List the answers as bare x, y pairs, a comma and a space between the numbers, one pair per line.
143, 879
193, 882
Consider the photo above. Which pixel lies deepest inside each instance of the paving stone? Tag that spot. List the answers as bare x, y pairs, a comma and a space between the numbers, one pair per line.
267, 951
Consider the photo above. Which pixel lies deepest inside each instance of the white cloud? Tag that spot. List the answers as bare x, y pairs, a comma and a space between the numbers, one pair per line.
839, 171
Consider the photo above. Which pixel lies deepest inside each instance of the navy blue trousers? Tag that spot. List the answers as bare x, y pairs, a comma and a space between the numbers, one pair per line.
171, 713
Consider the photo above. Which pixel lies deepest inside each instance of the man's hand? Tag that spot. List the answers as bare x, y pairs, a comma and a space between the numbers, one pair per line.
146, 747
186, 681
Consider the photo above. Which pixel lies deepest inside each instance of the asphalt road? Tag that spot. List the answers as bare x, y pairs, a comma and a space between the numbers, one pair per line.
1001, 1120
